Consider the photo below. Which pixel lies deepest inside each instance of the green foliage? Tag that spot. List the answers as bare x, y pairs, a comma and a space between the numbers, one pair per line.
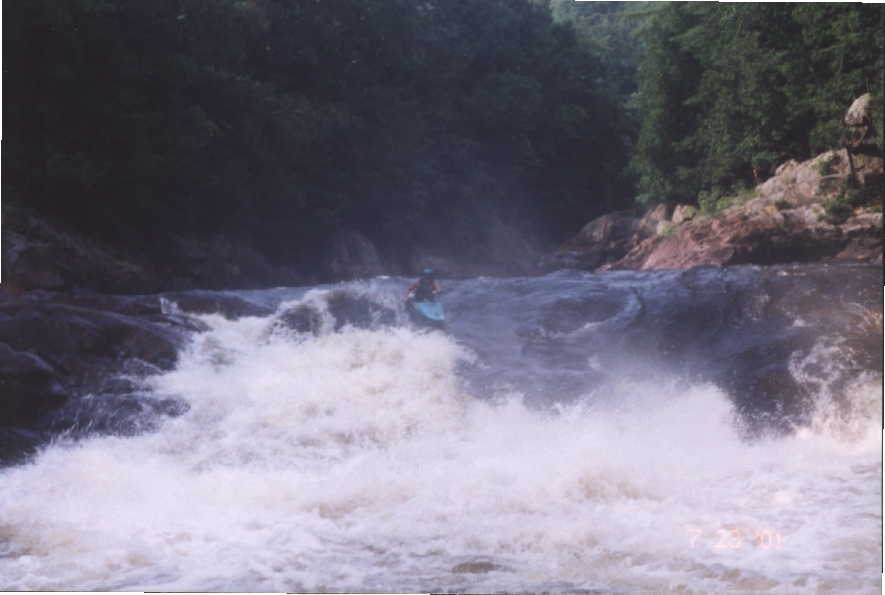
836, 210
862, 196
852, 196
763, 164
727, 91
611, 29
711, 202
282, 120
827, 167
782, 204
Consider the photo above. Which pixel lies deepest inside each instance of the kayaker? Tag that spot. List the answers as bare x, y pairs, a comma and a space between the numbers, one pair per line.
424, 289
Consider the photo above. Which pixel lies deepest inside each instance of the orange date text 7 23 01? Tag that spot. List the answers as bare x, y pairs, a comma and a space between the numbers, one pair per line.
733, 538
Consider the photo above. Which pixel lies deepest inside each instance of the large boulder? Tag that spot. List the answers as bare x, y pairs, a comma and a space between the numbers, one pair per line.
77, 340
860, 111
605, 239
810, 181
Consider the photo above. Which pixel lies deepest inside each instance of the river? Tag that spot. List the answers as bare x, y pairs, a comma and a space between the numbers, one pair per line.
703, 431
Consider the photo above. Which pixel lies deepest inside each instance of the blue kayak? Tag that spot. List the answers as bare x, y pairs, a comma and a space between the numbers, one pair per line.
430, 310
427, 313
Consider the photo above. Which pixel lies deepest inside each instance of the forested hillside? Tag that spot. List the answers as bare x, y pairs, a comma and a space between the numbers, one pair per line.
281, 121
729, 91
423, 125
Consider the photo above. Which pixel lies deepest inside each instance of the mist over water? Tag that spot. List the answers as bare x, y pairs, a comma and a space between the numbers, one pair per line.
513, 453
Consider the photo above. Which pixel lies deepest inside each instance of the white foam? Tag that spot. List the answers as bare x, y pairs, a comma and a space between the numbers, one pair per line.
356, 460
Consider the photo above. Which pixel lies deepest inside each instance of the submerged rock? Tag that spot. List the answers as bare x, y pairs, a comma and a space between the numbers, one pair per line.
301, 319
358, 311
345, 308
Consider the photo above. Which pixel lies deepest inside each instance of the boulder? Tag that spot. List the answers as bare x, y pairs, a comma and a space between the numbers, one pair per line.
863, 238
605, 239
860, 111
301, 319
346, 309
683, 213
654, 218
358, 311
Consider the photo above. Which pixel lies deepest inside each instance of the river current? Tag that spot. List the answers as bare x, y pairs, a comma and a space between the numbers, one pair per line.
704, 431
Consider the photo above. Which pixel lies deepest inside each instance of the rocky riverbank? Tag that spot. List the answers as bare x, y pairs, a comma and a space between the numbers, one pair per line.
823, 209
828, 208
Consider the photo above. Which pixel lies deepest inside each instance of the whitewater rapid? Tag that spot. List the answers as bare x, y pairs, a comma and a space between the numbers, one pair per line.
361, 460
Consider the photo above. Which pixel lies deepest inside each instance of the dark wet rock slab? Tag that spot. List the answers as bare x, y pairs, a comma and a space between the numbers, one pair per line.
206, 302
570, 335
59, 349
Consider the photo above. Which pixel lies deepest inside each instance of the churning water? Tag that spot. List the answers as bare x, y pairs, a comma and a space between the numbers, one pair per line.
380, 457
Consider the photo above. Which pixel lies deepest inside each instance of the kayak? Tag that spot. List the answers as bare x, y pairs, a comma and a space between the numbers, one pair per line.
427, 312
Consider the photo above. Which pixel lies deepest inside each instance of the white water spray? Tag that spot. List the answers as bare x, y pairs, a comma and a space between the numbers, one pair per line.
356, 460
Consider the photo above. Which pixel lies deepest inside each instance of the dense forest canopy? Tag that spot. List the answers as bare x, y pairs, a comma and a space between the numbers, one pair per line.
277, 122
413, 122
727, 92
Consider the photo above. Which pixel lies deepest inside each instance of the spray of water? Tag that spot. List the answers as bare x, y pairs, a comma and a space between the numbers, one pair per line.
357, 460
